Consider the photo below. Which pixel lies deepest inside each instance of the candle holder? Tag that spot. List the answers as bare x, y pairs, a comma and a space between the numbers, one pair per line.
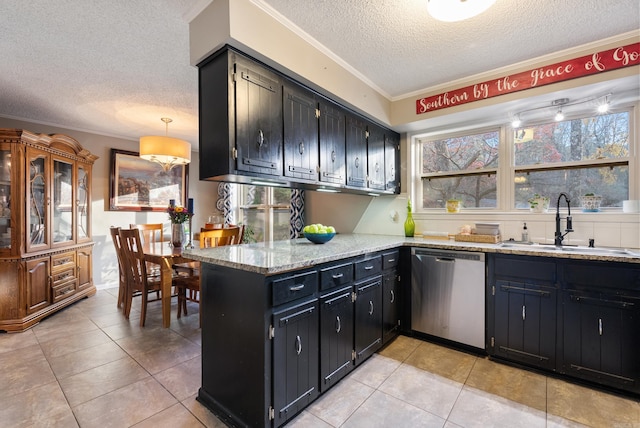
189, 245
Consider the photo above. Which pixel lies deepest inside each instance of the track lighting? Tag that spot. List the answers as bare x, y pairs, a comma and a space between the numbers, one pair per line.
559, 116
604, 107
516, 122
560, 105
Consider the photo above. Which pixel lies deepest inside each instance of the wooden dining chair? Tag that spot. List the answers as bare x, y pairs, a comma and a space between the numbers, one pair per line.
122, 279
137, 277
150, 233
219, 237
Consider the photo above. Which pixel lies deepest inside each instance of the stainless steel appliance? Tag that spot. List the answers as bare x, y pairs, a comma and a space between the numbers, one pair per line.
448, 295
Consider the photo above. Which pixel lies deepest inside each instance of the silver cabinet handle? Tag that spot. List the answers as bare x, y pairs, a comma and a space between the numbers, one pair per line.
333, 156
357, 162
260, 137
393, 296
391, 260
338, 324
296, 287
340, 275
370, 307
600, 326
523, 313
368, 267
301, 147
298, 345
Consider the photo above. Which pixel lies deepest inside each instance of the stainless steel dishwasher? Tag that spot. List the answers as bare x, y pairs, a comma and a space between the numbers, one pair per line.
448, 295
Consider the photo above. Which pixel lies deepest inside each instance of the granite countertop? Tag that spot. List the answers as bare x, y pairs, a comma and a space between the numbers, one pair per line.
282, 256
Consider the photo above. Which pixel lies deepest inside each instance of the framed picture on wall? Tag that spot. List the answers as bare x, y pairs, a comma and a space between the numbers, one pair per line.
140, 185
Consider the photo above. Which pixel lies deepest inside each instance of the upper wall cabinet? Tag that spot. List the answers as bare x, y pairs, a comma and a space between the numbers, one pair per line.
256, 123
301, 112
392, 162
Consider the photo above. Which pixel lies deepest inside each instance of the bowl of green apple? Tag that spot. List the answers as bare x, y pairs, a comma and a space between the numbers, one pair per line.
318, 233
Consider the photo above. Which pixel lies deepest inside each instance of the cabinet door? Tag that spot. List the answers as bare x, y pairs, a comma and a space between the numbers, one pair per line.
390, 319
258, 97
38, 285
332, 144
525, 323
375, 157
84, 267
368, 325
600, 339
37, 200
392, 161
300, 133
5, 199
83, 206
295, 359
356, 152
336, 336
63, 196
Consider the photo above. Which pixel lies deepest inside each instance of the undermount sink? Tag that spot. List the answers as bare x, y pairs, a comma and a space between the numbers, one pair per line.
567, 248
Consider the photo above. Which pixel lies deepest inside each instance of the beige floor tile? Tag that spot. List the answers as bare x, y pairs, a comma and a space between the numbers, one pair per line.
336, 405
203, 414
182, 380
73, 342
307, 420
375, 370
44, 406
125, 406
12, 341
449, 363
101, 380
475, 408
63, 330
509, 382
591, 407
76, 362
425, 390
382, 410
400, 348
22, 370
175, 416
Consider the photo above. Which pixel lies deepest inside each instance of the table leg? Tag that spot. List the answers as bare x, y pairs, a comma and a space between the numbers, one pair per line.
165, 279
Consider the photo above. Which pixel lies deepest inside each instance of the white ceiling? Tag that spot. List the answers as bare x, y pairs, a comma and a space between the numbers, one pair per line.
115, 67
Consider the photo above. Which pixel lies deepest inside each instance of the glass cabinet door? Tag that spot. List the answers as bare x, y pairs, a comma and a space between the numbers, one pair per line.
63, 182
82, 203
5, 196
37, 199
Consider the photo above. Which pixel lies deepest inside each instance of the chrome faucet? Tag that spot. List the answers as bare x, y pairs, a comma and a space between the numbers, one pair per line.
559, 235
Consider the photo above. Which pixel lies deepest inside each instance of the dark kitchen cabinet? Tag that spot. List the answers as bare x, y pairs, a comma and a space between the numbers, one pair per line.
375, 157
258, 110
332, 144
523, 310
295, 359
336, 336
390, 296
356, 146
601, 324
392, 161
368, 312
300, 110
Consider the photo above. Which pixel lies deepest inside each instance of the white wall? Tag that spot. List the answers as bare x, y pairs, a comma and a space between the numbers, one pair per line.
105, 268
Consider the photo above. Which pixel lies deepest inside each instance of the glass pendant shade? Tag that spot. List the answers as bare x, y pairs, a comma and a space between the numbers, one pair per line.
457, 10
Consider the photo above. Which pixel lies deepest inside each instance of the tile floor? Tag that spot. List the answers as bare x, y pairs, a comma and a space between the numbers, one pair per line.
87, 366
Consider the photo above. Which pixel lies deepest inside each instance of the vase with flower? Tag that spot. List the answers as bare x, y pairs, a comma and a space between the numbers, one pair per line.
179, 216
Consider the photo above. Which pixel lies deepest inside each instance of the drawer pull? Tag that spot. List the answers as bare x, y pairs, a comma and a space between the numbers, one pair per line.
296, 287
338, 324
393, 296
298, 345
338, 276
600, 326
368, 267
391, 260
370, 307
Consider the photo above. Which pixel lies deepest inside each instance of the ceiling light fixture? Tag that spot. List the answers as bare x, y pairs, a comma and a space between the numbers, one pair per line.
559, 116
516, 122
457, 10
559, 106
604, 107
166, 151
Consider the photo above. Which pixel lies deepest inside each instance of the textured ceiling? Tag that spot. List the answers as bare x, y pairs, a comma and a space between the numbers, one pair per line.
115, 67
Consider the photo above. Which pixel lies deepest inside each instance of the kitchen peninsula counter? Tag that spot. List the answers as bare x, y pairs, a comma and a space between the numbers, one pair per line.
288, 255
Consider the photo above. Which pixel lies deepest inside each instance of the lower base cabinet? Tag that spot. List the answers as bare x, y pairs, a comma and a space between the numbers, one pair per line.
368, 311
336, 336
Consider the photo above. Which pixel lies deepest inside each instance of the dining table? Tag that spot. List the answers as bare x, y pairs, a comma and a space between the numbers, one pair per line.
165, 255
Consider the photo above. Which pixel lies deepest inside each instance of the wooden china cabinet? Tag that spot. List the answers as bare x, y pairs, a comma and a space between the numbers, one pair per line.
45, 226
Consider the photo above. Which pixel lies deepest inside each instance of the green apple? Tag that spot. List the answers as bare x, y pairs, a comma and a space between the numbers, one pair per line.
331, 229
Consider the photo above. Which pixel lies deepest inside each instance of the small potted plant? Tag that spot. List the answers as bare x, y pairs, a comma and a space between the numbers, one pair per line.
590, 202
538, 204
454, 205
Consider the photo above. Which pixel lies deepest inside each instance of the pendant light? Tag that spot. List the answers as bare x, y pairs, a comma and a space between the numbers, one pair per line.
166, 151
457, 10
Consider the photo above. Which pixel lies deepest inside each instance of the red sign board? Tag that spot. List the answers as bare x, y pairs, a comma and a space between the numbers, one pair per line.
612, 59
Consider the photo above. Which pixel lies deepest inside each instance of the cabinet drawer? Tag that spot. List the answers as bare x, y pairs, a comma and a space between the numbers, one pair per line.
368, 267
63, 276
294, 287
601, 275
390, 259
336, 275
63, 261
530, 268
63, 291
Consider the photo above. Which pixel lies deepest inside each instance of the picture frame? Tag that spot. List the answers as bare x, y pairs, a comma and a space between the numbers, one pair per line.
136, 184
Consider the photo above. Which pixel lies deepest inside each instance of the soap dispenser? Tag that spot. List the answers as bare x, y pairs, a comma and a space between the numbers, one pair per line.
525, 233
